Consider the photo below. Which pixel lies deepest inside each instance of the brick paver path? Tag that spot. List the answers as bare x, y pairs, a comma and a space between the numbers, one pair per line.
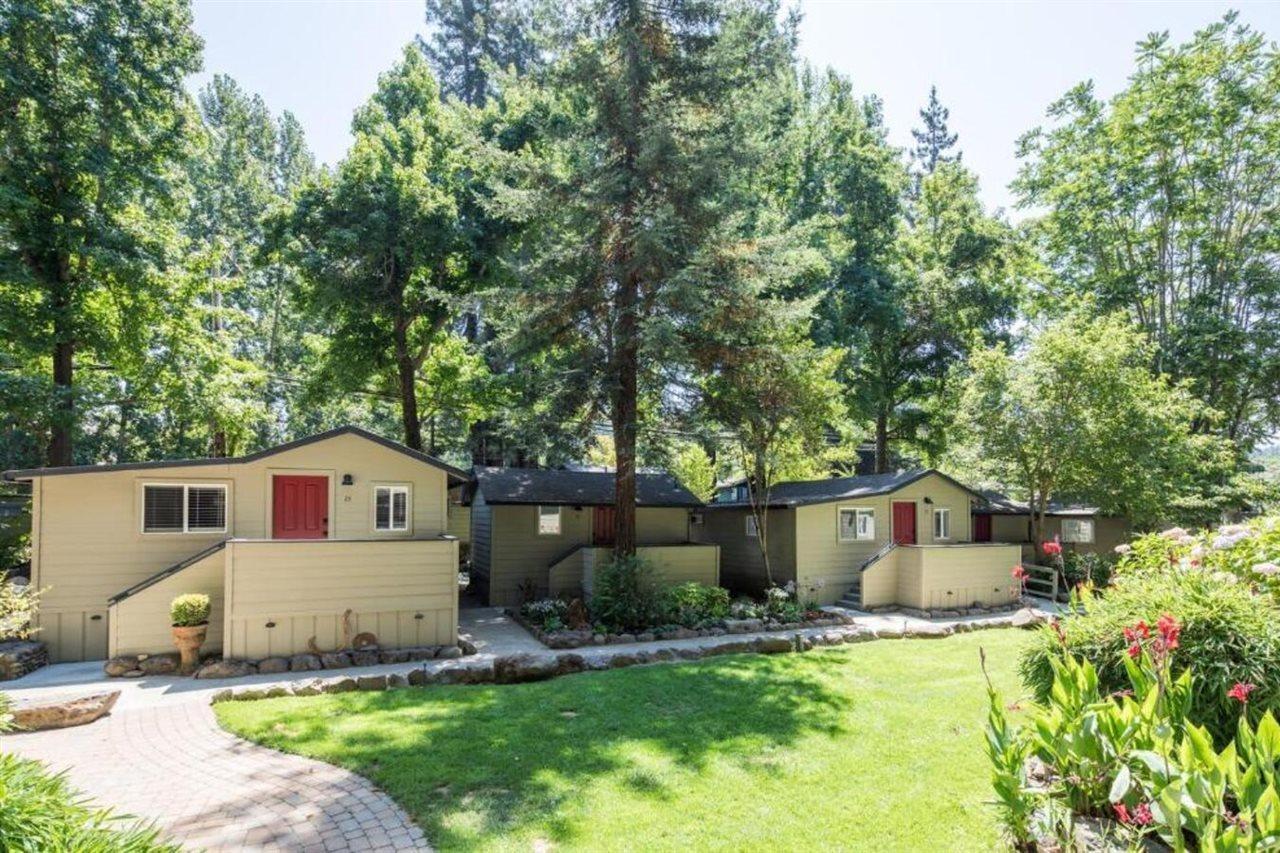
208, 789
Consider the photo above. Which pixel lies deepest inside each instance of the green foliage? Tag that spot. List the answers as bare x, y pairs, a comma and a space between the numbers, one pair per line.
18, 605
1161, 204
1229, 634
189, 610
693, 604
627, 595
1082, 567
1249, 552
692, 466
1080, 413
547, 613
40, 811
1139, 756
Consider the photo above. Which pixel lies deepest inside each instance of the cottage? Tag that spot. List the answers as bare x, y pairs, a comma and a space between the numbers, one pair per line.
284, 541
538, 532
1082, 529
863, 541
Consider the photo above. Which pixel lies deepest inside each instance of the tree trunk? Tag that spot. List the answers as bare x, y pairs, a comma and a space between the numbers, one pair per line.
64, 404
405, 374
882, 442
624, 419
1037, 526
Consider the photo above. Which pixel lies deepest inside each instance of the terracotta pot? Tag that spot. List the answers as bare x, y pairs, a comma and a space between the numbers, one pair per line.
188, 639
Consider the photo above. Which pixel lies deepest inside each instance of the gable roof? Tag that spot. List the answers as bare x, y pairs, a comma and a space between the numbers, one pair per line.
456, 475
806, 492
576, 488
997, 503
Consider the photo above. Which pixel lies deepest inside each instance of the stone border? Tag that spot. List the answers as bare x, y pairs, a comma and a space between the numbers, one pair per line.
947, 613
569, 639
135, 666
540, 666
21, 657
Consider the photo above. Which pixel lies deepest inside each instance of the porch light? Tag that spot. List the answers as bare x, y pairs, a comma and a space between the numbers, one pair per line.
348, 480
271, 624
928, 500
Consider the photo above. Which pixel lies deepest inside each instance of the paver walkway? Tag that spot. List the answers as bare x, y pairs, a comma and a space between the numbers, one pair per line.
160, 754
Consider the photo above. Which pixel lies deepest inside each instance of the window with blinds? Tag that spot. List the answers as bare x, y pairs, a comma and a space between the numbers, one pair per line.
184, 509
391, 508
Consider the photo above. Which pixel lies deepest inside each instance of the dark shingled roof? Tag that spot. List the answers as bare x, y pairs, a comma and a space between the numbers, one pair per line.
575, 488
456, 475
805, 492
996, 503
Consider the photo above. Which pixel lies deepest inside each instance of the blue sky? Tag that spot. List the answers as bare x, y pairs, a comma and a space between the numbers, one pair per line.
997, 65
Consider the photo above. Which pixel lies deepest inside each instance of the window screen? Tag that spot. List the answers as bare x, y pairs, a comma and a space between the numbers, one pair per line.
206, 508
162, 509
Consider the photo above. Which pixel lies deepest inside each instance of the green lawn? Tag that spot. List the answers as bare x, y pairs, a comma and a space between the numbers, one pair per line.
874, 746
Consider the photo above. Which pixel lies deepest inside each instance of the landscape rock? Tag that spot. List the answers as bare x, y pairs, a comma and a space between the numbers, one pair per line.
744, 626
693, 653
889, 632
928, 632
277, 691
133, 673
248, 694
449, 653
481, 673
227, 668
621, 660
513, 669
570, 663
341, 685
1027, 618
598, 639
335, 660
469, 648
63, 713
625, 638
397, 679
733, 647
774, 645
664, 654
858, 635
423, 653
19, 657
226, 694
273, 666
305, 663
419, 677
308, 688
371, 682
117, 667
645, 637
364, 657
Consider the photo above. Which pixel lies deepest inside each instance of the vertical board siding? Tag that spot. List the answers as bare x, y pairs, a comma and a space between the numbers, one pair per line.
140, 623
303, 588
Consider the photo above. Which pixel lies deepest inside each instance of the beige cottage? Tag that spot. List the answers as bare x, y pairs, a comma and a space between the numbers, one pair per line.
539, 532
865, 541
284, 541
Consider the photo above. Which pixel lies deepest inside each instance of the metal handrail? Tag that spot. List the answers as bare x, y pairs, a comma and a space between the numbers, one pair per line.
878, 555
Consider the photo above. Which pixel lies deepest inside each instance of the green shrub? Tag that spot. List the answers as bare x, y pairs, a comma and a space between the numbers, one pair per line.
18, 605
627, 595
1229, 633
547, 613
189, 610
39, 811
1250, 551
781, 604
1078, 568
692, 604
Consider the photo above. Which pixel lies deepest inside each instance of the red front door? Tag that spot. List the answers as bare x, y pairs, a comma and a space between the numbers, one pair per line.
602, 528
982, 528
299, 507
904, 522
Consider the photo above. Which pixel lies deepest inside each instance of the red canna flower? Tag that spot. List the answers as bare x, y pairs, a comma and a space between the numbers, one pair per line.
1053, 548
1169, 630
1240, 692
1122, 813
1135, 650
1142, 815
1019, 573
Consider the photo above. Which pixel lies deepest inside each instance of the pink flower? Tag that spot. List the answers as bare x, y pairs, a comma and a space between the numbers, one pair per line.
1122, 813
1240, 692
1169, 630
1135, 650
1053, 548
1019, 573
1142, 815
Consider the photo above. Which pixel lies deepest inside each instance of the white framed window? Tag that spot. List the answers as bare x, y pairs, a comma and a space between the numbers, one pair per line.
941, 523
753, 530
182, 508
856, 524
390, 508
1077, 530
548, 520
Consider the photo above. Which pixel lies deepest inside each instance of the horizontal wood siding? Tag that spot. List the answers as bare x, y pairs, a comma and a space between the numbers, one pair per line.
404, 591
88, 544
140, 623
957, 576
460, 522
741, 564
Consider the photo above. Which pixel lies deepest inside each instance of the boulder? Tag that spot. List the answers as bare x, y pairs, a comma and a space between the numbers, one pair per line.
449, 653
598, 639
1027, 618
774, 645
117, 667
364, 657
858, 636
393, 655
397, 679
273, 666
889, 632
19, 657
833, 638
159, 665
308, 688
228, 668
482, 673
570, 663
512, 669
133, 673
305, 663
733, 647
224, 695
371, 682
468, 647
423, 653
276, 692
248, 694
625, 638
930, 631
63, 713
646, 637
420, 677
335, 660
620, 660
743, 626
664, 654
340, 685
693, 653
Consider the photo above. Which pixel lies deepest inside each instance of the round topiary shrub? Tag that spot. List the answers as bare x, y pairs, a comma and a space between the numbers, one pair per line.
189, 610
1230, 634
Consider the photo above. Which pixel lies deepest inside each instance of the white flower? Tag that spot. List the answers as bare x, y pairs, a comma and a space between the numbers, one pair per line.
1266, 569
1197, 552
1187, 540
1123, 549
1224, 577
1226, 541
1174, 533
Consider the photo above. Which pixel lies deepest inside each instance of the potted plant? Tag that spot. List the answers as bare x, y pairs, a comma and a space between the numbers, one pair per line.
190, 617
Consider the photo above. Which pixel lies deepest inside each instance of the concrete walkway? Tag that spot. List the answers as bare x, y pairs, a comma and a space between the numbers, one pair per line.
161, 756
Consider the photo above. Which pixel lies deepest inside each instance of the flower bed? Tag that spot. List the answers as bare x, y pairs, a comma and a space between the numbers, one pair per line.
949, 612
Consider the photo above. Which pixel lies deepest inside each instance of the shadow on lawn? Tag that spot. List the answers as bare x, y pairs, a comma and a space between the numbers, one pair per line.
474, 763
